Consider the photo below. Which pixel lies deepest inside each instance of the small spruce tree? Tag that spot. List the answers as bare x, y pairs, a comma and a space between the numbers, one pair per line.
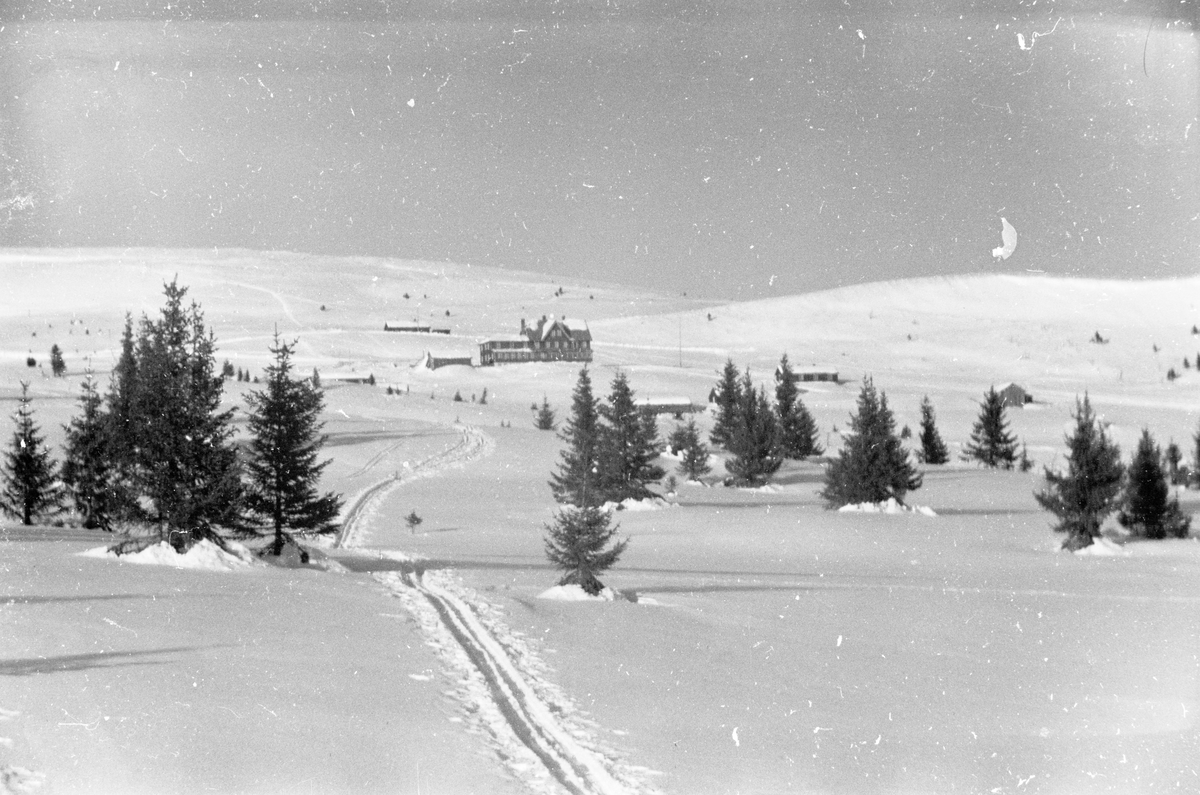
31, 488
57, 365
872, 465
799, 436
544, 421
1174, 457
991, 443
933, 449
1149, 509
413, 522
578, 543
577, 480
628, 445
86, 470
693, 453
755, 443
728, 399
282, 465
1088, 491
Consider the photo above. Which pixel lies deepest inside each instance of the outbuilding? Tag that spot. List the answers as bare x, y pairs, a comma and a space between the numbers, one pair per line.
1013, 395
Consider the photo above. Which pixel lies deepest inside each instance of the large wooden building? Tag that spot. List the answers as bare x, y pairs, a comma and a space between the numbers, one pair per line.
549, 340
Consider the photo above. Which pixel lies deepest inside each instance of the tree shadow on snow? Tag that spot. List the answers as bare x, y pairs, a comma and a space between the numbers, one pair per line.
83, 662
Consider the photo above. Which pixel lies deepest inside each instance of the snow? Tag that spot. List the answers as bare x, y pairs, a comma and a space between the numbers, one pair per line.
974, 657
1102, 547
889, 506
203, 555
575, 593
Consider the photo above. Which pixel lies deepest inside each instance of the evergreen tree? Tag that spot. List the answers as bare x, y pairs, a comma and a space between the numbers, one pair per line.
184, 464
628, 445
755, 443
1194, 475
1174, 457
57, 365
30, 476
286, 440
544, 421
577, 479
577, 542
991, 443
799, 436
693, 452
1088, 491
1149, 509
933, 449
86, 470
872, 465
728, 401
121, 428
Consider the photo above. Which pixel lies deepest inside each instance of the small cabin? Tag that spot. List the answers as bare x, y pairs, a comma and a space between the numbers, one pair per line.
813, 373
677, 406
1013, 395
409, 328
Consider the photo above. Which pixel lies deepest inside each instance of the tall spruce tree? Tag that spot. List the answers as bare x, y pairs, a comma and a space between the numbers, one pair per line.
628, 446
799, 436
991, 443
1149, 509
933, 449
577, 481
286, 441
185, 465
1088, 491
755, 443
728, 399
86, 471
872, 465
31, 488
693, 453
577, 542
121, 429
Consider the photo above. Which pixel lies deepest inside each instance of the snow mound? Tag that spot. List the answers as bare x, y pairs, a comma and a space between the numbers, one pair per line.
649, 504
1104, 548
204, 555
891, 506
575, 593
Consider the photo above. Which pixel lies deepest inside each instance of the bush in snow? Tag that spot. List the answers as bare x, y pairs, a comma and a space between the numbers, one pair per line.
872, 465
933, 449
1149, 510
693, 453
30, 476
1088, 491
991, 443
577, 542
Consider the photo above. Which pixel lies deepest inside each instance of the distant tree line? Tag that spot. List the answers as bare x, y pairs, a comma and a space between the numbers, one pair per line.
157, 450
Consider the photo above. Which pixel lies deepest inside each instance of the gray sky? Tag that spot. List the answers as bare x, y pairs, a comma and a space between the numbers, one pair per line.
730, 149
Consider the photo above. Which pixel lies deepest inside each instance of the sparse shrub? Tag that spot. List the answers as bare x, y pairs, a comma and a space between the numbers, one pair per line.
413, 522
991, 443
933, 449
390, 391
1088, 491
227, 369
458, 398
1171, 374
872, 465
322, 307
1097, 339
671, 484
577, 542
30, 361
1149, 510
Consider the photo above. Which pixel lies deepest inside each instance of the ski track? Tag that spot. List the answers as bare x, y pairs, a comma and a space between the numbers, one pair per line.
533, 727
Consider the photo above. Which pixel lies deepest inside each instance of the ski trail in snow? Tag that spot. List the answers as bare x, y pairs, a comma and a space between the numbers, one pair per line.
535, 729
473, 444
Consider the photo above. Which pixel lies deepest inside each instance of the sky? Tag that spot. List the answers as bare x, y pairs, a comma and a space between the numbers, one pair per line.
727, 149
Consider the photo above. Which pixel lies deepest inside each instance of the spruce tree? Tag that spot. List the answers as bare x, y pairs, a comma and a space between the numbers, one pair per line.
57, 365
872, 465
1194, 475
577, 542
693, 452
628, 445
286, 441
755, 442
31, 489
728, 402
544, 421
86, 469
799, 436
121, 428
1149, 509
577, 480
933, 449
991, 443
1088, 491
185, 465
